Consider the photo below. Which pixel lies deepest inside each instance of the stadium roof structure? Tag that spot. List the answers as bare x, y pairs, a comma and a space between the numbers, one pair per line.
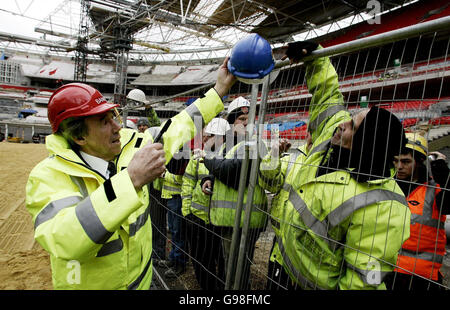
177, 30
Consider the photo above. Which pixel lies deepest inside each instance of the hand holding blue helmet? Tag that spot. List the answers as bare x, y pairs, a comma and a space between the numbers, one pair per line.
251, 59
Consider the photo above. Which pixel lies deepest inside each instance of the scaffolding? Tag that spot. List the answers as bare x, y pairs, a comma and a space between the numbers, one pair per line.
122, 44
10, 72
81, 51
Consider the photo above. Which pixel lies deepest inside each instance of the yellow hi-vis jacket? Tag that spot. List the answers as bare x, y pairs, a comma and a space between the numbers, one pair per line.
272, 174
337, 233
224, 199
171, 185
194, 200
98, 232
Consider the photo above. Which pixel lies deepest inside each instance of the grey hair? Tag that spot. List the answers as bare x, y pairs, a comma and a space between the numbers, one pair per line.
73, 128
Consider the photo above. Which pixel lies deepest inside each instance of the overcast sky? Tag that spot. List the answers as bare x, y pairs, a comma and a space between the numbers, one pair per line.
16, 24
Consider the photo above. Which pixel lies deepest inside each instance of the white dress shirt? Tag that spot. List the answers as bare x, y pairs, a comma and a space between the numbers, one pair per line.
96, 163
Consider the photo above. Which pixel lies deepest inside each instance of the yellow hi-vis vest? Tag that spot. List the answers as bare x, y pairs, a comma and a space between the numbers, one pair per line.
194, 200
98, 232
171, 185
224, 201
157, 184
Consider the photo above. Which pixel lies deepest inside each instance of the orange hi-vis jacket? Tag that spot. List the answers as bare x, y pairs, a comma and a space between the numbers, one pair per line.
423, 252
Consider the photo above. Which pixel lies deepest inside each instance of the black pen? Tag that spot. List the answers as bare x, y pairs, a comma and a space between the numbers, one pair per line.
163, 130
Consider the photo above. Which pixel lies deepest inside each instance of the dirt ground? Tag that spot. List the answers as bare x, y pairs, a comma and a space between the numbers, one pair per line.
24, 265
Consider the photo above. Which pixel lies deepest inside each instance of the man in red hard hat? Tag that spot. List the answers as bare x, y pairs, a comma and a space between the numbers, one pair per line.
89, 199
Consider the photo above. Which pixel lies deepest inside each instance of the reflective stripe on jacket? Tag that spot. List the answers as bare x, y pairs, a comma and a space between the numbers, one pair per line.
171, 185
224, 201
89, 224
339, 246
98, 232
273, 181
424, 251
194, 200
271, 178
337, 233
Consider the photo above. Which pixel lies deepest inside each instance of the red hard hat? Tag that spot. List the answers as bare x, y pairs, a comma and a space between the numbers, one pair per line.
75, 99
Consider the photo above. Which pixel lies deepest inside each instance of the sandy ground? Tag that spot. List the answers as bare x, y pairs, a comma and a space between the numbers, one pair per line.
23, 263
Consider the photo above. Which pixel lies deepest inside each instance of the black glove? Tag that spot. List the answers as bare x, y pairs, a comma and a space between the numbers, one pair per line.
295, 49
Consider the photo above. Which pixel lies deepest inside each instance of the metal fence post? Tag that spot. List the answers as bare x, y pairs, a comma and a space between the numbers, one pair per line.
230, 271
239, 281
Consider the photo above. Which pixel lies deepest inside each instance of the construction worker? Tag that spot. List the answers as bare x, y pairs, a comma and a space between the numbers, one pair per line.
208, 265
223, 185
158, 213
345, 218
162, 190
420, 259
93, 220
137, 97
273, 170
143, 124
171, 195
171, 192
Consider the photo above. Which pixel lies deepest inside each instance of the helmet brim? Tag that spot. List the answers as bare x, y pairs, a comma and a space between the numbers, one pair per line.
101, 108
416, 148
140, 101
244, 75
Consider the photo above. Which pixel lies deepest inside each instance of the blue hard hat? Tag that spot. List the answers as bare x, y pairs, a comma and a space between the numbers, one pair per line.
251, 58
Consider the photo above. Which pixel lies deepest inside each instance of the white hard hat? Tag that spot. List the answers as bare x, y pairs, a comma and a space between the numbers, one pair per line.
217, 126
131, 124
137, 95
238, 103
